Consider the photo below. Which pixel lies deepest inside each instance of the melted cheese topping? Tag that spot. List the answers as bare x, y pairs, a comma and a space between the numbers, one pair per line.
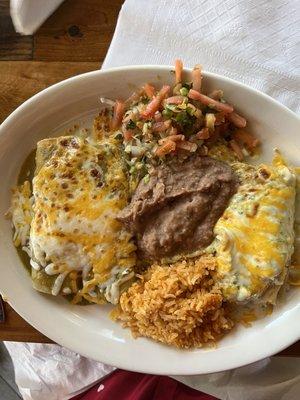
77, 195
254, 237
21, 213
294, 272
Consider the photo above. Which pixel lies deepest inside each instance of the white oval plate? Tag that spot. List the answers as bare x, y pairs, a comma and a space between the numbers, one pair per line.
88, 330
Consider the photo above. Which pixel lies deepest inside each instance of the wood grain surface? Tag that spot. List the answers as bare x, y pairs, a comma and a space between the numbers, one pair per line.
77, 31
12, 45
73, 40
16, 329
21, 80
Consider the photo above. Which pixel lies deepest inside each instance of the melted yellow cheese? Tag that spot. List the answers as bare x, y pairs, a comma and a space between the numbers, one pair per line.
21, 213
254, 237
294, 272
78, 193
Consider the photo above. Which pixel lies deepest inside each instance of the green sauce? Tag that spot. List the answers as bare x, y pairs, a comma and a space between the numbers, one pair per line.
26, 174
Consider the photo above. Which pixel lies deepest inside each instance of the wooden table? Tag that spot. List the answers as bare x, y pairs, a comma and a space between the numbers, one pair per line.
73, 40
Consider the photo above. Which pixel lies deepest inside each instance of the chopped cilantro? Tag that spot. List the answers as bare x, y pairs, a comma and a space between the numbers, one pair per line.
144, 100
171, 107
118, 136
132, 170
184, 91
167, 113
184, 119
131, 124
147, 178
190, 110
187, 86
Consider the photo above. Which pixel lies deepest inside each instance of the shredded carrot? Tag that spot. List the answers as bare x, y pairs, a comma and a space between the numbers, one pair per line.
178, 71
197, 77
174, 138
237, 120
174, 100
226, 108
164, 91
246, 138
237, 149
151, 108
186, 146
203, 134
119, 110
161, 126
127, 134
149, 90
166, 148
155, 103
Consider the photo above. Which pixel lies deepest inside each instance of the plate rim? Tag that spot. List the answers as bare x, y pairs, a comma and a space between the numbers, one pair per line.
274, 348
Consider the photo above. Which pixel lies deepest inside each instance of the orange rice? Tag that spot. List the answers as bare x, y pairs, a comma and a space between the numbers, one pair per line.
176, 304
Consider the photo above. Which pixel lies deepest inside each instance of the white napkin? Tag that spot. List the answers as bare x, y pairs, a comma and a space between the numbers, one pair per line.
253, 41
52, 372
28, 15
275, 378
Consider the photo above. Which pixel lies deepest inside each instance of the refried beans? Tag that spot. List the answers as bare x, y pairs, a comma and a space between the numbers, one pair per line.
176, 210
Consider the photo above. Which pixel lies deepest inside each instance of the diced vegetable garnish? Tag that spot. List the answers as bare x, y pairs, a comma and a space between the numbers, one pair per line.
173, 131
178, 71
154, 104
175, 100
174, 138
210, 120
119, 109
237, 120
164, 122
197, 77
166, 148
161, 126
217, 105
158, 116
128, 135
130, 124
187, 146
149, 90
184, 91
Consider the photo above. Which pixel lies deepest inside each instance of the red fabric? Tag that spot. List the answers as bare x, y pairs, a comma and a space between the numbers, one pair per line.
124, 385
